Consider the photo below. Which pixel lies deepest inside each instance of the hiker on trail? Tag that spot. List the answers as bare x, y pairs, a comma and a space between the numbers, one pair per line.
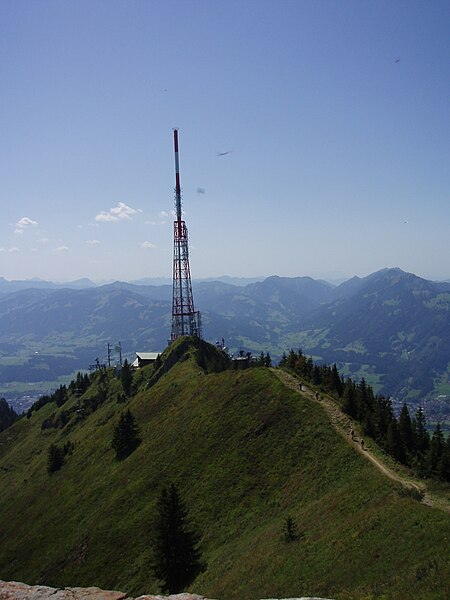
362, 443
352, 433
317, 395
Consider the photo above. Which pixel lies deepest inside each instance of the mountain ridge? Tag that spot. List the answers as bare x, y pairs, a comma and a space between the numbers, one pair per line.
245, 452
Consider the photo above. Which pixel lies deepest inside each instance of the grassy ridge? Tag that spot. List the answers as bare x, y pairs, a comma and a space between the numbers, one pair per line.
245, 453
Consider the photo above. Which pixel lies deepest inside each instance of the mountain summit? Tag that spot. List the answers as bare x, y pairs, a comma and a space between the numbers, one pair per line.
246, 453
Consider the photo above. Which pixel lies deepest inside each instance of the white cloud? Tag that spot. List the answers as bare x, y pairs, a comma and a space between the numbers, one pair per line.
25, 223
163, 214
150, 222
92, 242
13, 249
61, 249
118, 213
43, 241
147, 245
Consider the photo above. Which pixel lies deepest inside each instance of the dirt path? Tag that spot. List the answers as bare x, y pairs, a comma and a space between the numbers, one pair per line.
343, 425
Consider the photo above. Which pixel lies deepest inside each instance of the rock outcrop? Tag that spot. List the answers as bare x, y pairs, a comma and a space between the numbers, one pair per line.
13, 590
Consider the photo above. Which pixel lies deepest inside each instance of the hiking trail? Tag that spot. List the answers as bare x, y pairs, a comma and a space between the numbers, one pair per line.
344, 425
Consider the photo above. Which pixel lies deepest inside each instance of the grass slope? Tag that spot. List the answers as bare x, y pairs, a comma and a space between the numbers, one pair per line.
245, 452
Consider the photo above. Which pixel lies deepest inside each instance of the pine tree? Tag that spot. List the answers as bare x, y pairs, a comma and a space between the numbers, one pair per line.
126, 377
422, 439
126, 436
79, 385
394, 442
336, 384
383, 417
7, 414
176, 554
436, 450
55, 458
444, 466
349, 399
406, 430
290, 530
60, 395
158, 363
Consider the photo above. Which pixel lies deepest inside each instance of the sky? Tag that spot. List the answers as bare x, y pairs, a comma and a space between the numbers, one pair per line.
314, 137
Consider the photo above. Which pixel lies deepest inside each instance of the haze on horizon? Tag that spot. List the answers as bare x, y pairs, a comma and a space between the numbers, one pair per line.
313, 137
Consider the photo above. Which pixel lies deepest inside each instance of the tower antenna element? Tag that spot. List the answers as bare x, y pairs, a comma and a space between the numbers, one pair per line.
185, 319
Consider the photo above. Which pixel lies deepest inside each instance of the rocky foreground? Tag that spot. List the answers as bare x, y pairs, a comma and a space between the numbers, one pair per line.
13, 590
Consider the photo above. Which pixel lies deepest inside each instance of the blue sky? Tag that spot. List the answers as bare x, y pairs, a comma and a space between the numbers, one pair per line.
334, 116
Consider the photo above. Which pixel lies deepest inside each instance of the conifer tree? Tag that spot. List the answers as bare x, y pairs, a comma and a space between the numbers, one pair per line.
126, 377
336, 384
406, 430
55, 458
176, 555
394, 442
158, 363
383, 417
436, 451
126, 436
60, 395
349, 399
422, 439
290, 530
7, 414
444, 467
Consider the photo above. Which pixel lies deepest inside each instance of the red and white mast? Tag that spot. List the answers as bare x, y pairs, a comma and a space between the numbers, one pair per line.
185, 319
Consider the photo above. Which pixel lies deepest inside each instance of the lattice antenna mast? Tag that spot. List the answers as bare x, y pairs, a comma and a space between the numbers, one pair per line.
185, 320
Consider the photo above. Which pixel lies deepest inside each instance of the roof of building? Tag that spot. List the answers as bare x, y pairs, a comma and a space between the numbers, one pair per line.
148, 355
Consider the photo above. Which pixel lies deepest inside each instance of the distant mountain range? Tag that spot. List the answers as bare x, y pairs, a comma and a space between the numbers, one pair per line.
7, 286
15, 285
391, 327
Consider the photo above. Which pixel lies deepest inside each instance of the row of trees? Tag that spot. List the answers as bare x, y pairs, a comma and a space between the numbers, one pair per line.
59, 396
79, 386
405, 438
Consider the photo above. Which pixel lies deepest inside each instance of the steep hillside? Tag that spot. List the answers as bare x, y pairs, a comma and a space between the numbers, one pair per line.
245, 452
